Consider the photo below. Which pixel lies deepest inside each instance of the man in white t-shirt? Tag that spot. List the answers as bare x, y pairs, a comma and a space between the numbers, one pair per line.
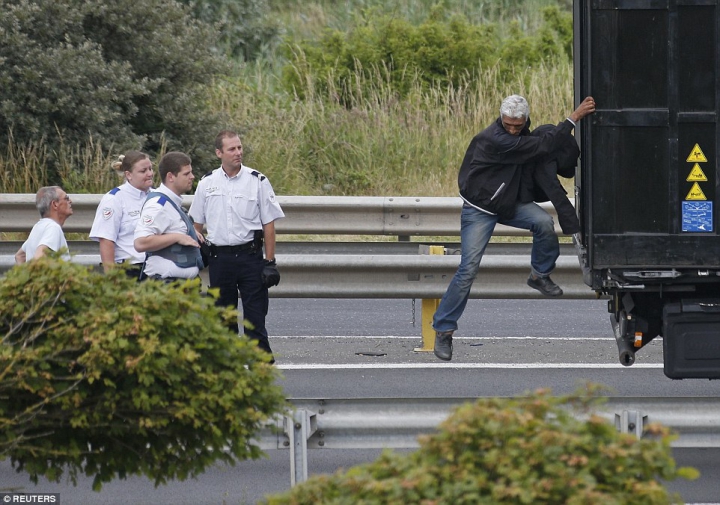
55, 207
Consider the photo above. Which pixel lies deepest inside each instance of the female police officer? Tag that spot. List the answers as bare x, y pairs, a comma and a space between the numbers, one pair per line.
119, 211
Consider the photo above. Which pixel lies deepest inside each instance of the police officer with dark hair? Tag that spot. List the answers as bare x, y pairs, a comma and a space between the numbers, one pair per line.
237, 206
163, 231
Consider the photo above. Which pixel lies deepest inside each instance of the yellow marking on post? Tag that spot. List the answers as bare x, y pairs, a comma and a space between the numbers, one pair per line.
695, 193
696, 174
428, 332
429, 306
696, 155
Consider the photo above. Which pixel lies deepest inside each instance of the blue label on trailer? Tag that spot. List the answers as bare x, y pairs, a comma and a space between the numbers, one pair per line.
697, 216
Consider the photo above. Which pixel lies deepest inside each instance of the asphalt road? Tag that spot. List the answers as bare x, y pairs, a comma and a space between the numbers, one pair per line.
365, 348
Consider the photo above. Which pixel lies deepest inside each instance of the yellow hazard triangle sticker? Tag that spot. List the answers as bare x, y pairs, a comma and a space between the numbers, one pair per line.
696, 174
695, 193
696, 155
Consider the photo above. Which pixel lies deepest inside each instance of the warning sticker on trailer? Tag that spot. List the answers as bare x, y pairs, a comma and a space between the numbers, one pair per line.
696, 155
695, 193
697, 216
696, 174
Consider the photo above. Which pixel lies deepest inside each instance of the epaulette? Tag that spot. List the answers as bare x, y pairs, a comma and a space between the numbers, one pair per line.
162, 200
209, 173
113, 191
258, 174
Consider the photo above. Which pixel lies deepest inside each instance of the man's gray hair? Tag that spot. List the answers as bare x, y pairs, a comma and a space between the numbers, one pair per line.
45, 197
515, 107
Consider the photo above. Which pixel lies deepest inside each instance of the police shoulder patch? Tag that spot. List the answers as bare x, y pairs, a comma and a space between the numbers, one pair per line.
107, 213
258, 175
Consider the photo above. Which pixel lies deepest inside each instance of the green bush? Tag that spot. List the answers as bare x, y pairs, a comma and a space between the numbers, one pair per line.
122, 72
439, 52
244, 27
102, 376
529, 450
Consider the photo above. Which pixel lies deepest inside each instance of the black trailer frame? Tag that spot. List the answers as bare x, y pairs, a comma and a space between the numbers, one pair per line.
647, 184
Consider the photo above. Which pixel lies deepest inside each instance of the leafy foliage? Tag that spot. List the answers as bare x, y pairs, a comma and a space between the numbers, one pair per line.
529, 450
440, 52
121, 72
104, 376
244, 28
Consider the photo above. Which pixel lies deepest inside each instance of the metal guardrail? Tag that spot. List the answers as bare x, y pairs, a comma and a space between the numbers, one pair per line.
370, 271
420, 276
502, 274
371, 423
312, 215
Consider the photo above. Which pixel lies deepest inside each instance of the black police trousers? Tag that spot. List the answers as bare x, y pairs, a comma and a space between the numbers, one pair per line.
231, 272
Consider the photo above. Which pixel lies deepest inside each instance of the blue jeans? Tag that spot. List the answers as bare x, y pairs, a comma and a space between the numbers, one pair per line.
476, 228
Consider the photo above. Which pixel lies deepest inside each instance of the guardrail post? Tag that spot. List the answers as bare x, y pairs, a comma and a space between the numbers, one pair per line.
299, 429
631, 421
429, 306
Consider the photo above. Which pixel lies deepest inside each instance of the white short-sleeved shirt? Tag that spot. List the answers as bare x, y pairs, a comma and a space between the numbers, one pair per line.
48, 233
157, 219
116, 218
232, 208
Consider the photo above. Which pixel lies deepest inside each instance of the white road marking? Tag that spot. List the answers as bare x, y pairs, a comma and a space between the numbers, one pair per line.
371, 366
370, 337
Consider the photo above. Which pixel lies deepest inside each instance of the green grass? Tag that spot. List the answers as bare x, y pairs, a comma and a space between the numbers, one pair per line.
381, 145
306, 20
23, 168
82, 168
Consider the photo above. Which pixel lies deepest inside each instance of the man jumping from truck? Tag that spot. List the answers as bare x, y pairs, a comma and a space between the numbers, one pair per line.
489, 182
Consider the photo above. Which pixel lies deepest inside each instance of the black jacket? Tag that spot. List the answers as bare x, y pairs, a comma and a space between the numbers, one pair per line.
540, 180
490, 173
533, 186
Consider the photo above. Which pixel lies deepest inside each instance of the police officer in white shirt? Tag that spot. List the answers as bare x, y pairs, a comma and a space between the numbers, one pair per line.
163, 231
119, 212
55, 207
238, 207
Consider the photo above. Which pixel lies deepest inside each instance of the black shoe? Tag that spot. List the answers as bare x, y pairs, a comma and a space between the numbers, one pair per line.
545, 285
443, 345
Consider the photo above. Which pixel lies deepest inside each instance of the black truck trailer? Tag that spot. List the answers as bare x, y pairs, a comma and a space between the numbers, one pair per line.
647, 183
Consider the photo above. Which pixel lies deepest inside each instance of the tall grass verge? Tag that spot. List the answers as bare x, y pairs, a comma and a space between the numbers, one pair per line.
78, 168
23, 167
381, 144
307, 20
86, 169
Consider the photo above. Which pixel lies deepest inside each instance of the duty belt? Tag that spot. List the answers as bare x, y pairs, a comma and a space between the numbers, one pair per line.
214, 249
